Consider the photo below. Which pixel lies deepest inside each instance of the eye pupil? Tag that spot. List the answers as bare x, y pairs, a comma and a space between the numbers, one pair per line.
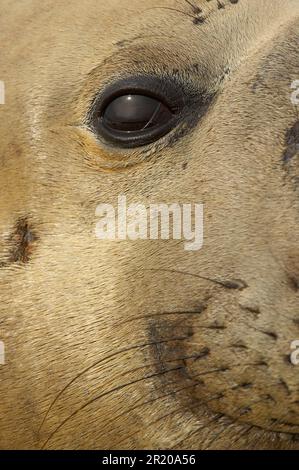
133, 113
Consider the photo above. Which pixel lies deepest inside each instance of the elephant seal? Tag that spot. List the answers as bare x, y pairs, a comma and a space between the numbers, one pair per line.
139, 344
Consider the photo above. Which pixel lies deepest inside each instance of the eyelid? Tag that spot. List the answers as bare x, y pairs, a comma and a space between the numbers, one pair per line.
186, 103
168, 91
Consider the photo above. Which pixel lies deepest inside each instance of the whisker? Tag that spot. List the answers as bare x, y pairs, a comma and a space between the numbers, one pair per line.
116, 389
160, 397
153, 400
231, 284
230, 367
195, 8
178, 409
213, 371
184, 13
219, 395
269, 333
160, 314
174, 392
87, 369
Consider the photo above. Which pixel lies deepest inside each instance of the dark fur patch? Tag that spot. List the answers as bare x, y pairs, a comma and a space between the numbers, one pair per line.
292, 143
20, 242
167, 339
293, 283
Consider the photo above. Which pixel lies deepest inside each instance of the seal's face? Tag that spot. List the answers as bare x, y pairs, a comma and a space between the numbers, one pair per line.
131, 344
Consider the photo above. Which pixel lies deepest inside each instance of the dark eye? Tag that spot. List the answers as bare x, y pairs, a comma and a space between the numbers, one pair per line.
133, 113
136, 112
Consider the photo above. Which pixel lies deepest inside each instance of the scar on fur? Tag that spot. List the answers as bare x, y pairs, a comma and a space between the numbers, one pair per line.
21, 242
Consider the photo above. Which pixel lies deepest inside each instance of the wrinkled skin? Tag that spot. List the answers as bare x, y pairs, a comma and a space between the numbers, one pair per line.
142, 344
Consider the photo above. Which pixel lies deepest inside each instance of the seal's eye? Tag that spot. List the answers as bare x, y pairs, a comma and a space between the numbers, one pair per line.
133, 113
137, 111
133, 119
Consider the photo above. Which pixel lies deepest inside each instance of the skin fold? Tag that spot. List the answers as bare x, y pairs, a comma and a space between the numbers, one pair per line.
142, 344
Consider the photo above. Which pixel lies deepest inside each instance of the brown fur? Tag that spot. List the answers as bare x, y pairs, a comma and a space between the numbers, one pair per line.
128, 344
